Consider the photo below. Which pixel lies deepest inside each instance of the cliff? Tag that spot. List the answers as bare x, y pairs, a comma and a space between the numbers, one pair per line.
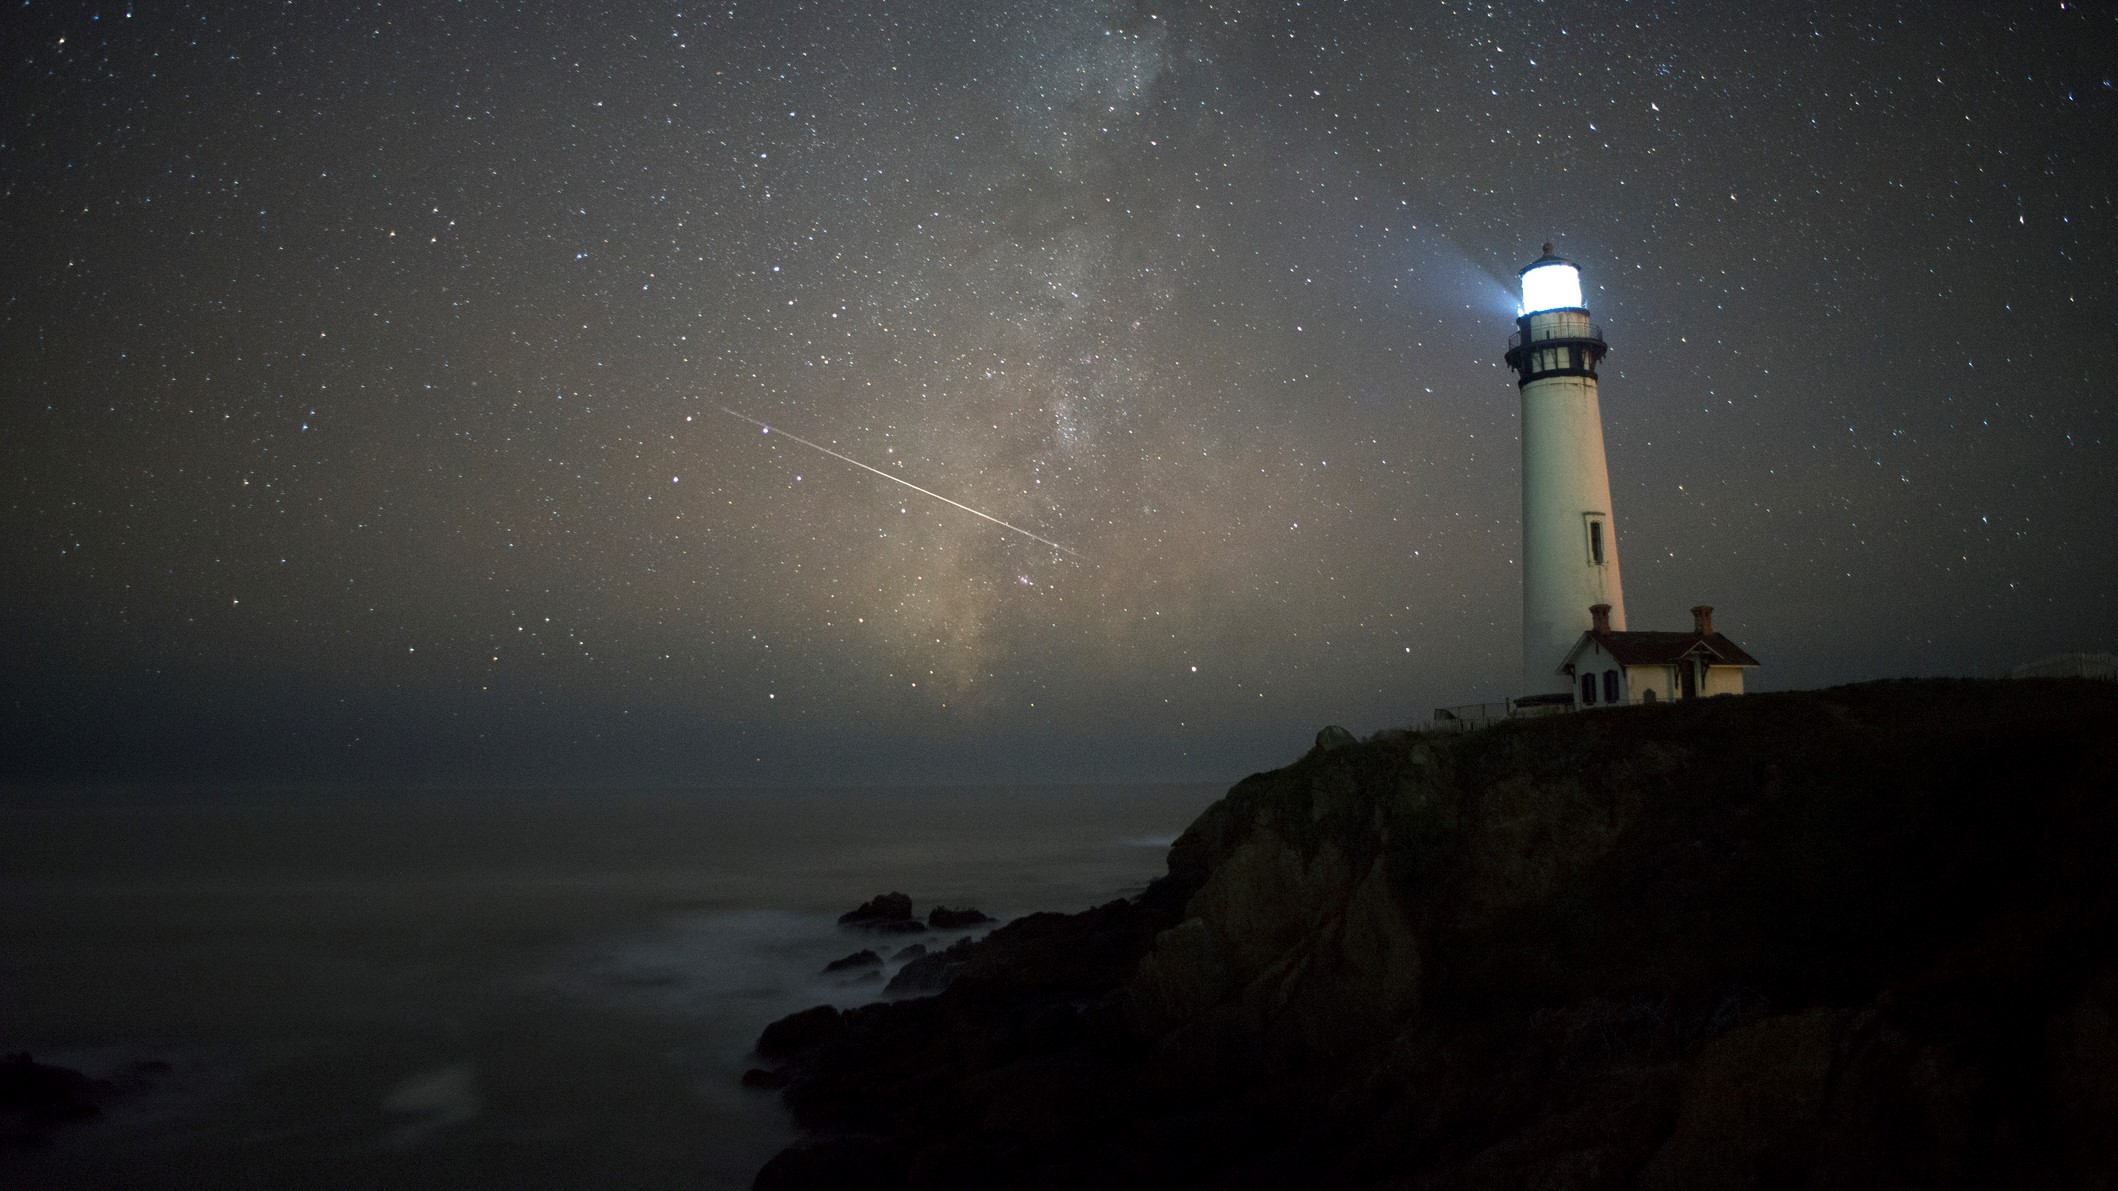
1850, 938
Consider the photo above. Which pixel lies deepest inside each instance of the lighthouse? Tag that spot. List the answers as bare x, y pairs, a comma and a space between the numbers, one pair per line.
1569, 537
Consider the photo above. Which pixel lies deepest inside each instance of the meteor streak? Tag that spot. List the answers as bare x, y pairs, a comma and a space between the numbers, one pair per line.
907, 483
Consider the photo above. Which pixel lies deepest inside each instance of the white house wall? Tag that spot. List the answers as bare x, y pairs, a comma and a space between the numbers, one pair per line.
1639, 680
1723, 680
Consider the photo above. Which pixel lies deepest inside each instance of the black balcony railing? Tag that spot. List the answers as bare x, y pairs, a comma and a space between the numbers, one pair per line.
1555, 335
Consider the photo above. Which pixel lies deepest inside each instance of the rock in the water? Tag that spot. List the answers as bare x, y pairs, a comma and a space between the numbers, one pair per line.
35, 1096
905, 954
943, 918
859, 959
930, 972
797, 1032
883, 907
884, 914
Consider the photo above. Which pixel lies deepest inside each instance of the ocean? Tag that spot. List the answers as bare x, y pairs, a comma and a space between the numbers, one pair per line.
522, 989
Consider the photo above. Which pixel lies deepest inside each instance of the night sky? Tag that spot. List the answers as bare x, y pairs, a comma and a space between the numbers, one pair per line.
365, 371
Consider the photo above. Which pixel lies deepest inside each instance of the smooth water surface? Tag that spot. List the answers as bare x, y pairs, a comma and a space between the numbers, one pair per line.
481, 989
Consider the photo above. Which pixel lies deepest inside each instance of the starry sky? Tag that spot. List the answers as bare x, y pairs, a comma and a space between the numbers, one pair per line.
368, 368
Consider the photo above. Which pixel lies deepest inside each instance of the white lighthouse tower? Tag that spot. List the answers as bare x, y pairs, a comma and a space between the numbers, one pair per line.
1569, 538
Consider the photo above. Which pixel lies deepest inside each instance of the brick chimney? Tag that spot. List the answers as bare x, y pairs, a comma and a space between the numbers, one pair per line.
1599, 618
1702, 620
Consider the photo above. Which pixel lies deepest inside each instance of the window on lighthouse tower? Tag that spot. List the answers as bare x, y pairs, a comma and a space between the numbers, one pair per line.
1595, 542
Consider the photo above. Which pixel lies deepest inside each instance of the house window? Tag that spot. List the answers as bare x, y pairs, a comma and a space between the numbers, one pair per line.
1588, 689
1610, 686
1595, 542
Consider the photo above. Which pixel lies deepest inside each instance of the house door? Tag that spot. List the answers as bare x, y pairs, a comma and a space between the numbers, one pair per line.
1690, 678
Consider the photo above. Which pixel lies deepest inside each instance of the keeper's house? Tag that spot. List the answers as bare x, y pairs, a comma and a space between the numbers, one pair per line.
1610, 668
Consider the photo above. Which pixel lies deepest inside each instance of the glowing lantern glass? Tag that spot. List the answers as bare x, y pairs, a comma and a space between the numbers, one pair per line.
1551, 287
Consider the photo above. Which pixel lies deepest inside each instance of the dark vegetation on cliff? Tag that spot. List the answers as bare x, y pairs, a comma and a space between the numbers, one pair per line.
1852, 938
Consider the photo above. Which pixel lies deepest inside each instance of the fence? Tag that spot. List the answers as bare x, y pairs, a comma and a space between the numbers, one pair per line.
2070, 665
1469, 717
1579, 333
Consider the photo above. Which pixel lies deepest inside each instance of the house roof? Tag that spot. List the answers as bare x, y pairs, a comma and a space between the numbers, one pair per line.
1661, 649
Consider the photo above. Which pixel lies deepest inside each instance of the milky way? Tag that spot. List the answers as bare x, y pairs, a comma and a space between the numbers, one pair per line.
364, 370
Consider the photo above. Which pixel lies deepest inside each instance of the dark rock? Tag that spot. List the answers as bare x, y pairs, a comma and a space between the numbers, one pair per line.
797, 1032
910, 926
849, 1162
859, 959
929, 972
37, 1096
880, 911
1846, 938
943, 918
909, 953
1331, 736
768, 1079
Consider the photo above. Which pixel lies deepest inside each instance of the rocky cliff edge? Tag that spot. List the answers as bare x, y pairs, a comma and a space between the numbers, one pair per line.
1852, 938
